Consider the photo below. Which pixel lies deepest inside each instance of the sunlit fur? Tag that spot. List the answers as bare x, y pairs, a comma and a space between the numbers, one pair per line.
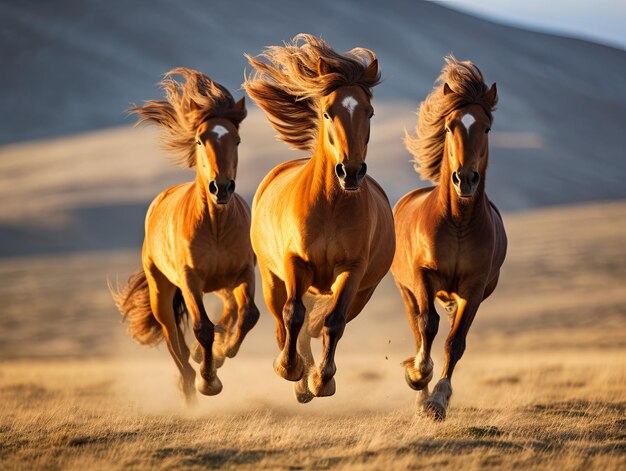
287, 84
451, 241
313, 233
195, 242
186, 106
466, 81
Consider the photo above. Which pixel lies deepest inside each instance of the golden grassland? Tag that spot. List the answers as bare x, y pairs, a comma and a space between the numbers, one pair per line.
566, 413
542, 383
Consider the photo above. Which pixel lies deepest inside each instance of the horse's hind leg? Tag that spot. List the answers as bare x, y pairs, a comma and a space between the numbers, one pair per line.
298, 278
437, 404
247, 314
161, 298
301, 388
424, 322
223, 329
208, 383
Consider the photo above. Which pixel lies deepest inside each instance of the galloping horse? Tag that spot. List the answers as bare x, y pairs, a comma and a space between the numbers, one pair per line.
320, 225
451, 240
197, 235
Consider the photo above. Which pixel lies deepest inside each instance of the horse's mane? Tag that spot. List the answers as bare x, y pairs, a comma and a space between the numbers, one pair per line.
466, 82
185, 107
288, 86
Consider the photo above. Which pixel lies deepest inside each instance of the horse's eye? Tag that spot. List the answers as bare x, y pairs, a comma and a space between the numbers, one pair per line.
326, 115
487, 130
198, 142
372, 115
238, 141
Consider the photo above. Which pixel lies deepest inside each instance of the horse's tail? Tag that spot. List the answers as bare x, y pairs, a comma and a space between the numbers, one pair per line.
133, 302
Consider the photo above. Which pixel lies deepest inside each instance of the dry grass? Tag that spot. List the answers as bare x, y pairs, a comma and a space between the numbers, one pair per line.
542, 384
566, 413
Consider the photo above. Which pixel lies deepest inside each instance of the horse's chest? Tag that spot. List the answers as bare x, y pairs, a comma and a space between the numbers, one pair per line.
330, 243
219, 260
454, 255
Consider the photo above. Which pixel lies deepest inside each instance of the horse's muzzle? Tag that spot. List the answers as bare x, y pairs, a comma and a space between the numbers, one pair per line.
350, 179
465, 182
222, 192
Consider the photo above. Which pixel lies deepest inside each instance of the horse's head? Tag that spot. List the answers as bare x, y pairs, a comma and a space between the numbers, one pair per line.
345, 132
217, 140
467, 144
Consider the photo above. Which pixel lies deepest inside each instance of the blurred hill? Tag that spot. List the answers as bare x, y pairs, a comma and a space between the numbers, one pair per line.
74, 68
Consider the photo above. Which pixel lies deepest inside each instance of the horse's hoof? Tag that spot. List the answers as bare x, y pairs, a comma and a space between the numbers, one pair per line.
218, 360
209, 388
232, 350
197, 353
435, 410
302, 392
418, 377
289, 372
320, 388
417, 384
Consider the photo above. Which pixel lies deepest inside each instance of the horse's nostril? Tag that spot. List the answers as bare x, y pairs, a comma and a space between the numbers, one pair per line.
213, 187
455, 178
475, 178
230, 189
362, 171
340, 170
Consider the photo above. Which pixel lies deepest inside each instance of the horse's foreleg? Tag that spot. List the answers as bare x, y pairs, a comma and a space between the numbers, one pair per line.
321, 380
247, 315
207, 383
424, 322
298, 278
161, 302
437, 404
275, 295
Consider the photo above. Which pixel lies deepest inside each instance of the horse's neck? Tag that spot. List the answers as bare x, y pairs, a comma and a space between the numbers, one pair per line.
320, 175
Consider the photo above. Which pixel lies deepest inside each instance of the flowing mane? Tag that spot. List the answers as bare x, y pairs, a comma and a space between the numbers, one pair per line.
287, 87
466, 81
185, 107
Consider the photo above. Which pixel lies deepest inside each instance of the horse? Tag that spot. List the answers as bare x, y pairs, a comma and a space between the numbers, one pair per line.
197, 235
320, 225
451, 241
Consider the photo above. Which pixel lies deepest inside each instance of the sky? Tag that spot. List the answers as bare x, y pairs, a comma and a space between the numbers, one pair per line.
602, 21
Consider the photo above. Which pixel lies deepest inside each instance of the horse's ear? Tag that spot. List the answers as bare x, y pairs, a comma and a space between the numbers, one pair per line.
446, 89
492, 95
371, 73
241, 104
322, 67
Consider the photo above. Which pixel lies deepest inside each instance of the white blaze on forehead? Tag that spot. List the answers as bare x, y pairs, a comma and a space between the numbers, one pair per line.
467, 121
349, 103
219, 130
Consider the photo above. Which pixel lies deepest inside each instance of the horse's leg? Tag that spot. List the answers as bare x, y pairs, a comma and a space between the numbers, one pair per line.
424, 322
298, 278
437, 403
247, 315
275, 295
207, 383
161, 301
222, 329
321, 380
301, 388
